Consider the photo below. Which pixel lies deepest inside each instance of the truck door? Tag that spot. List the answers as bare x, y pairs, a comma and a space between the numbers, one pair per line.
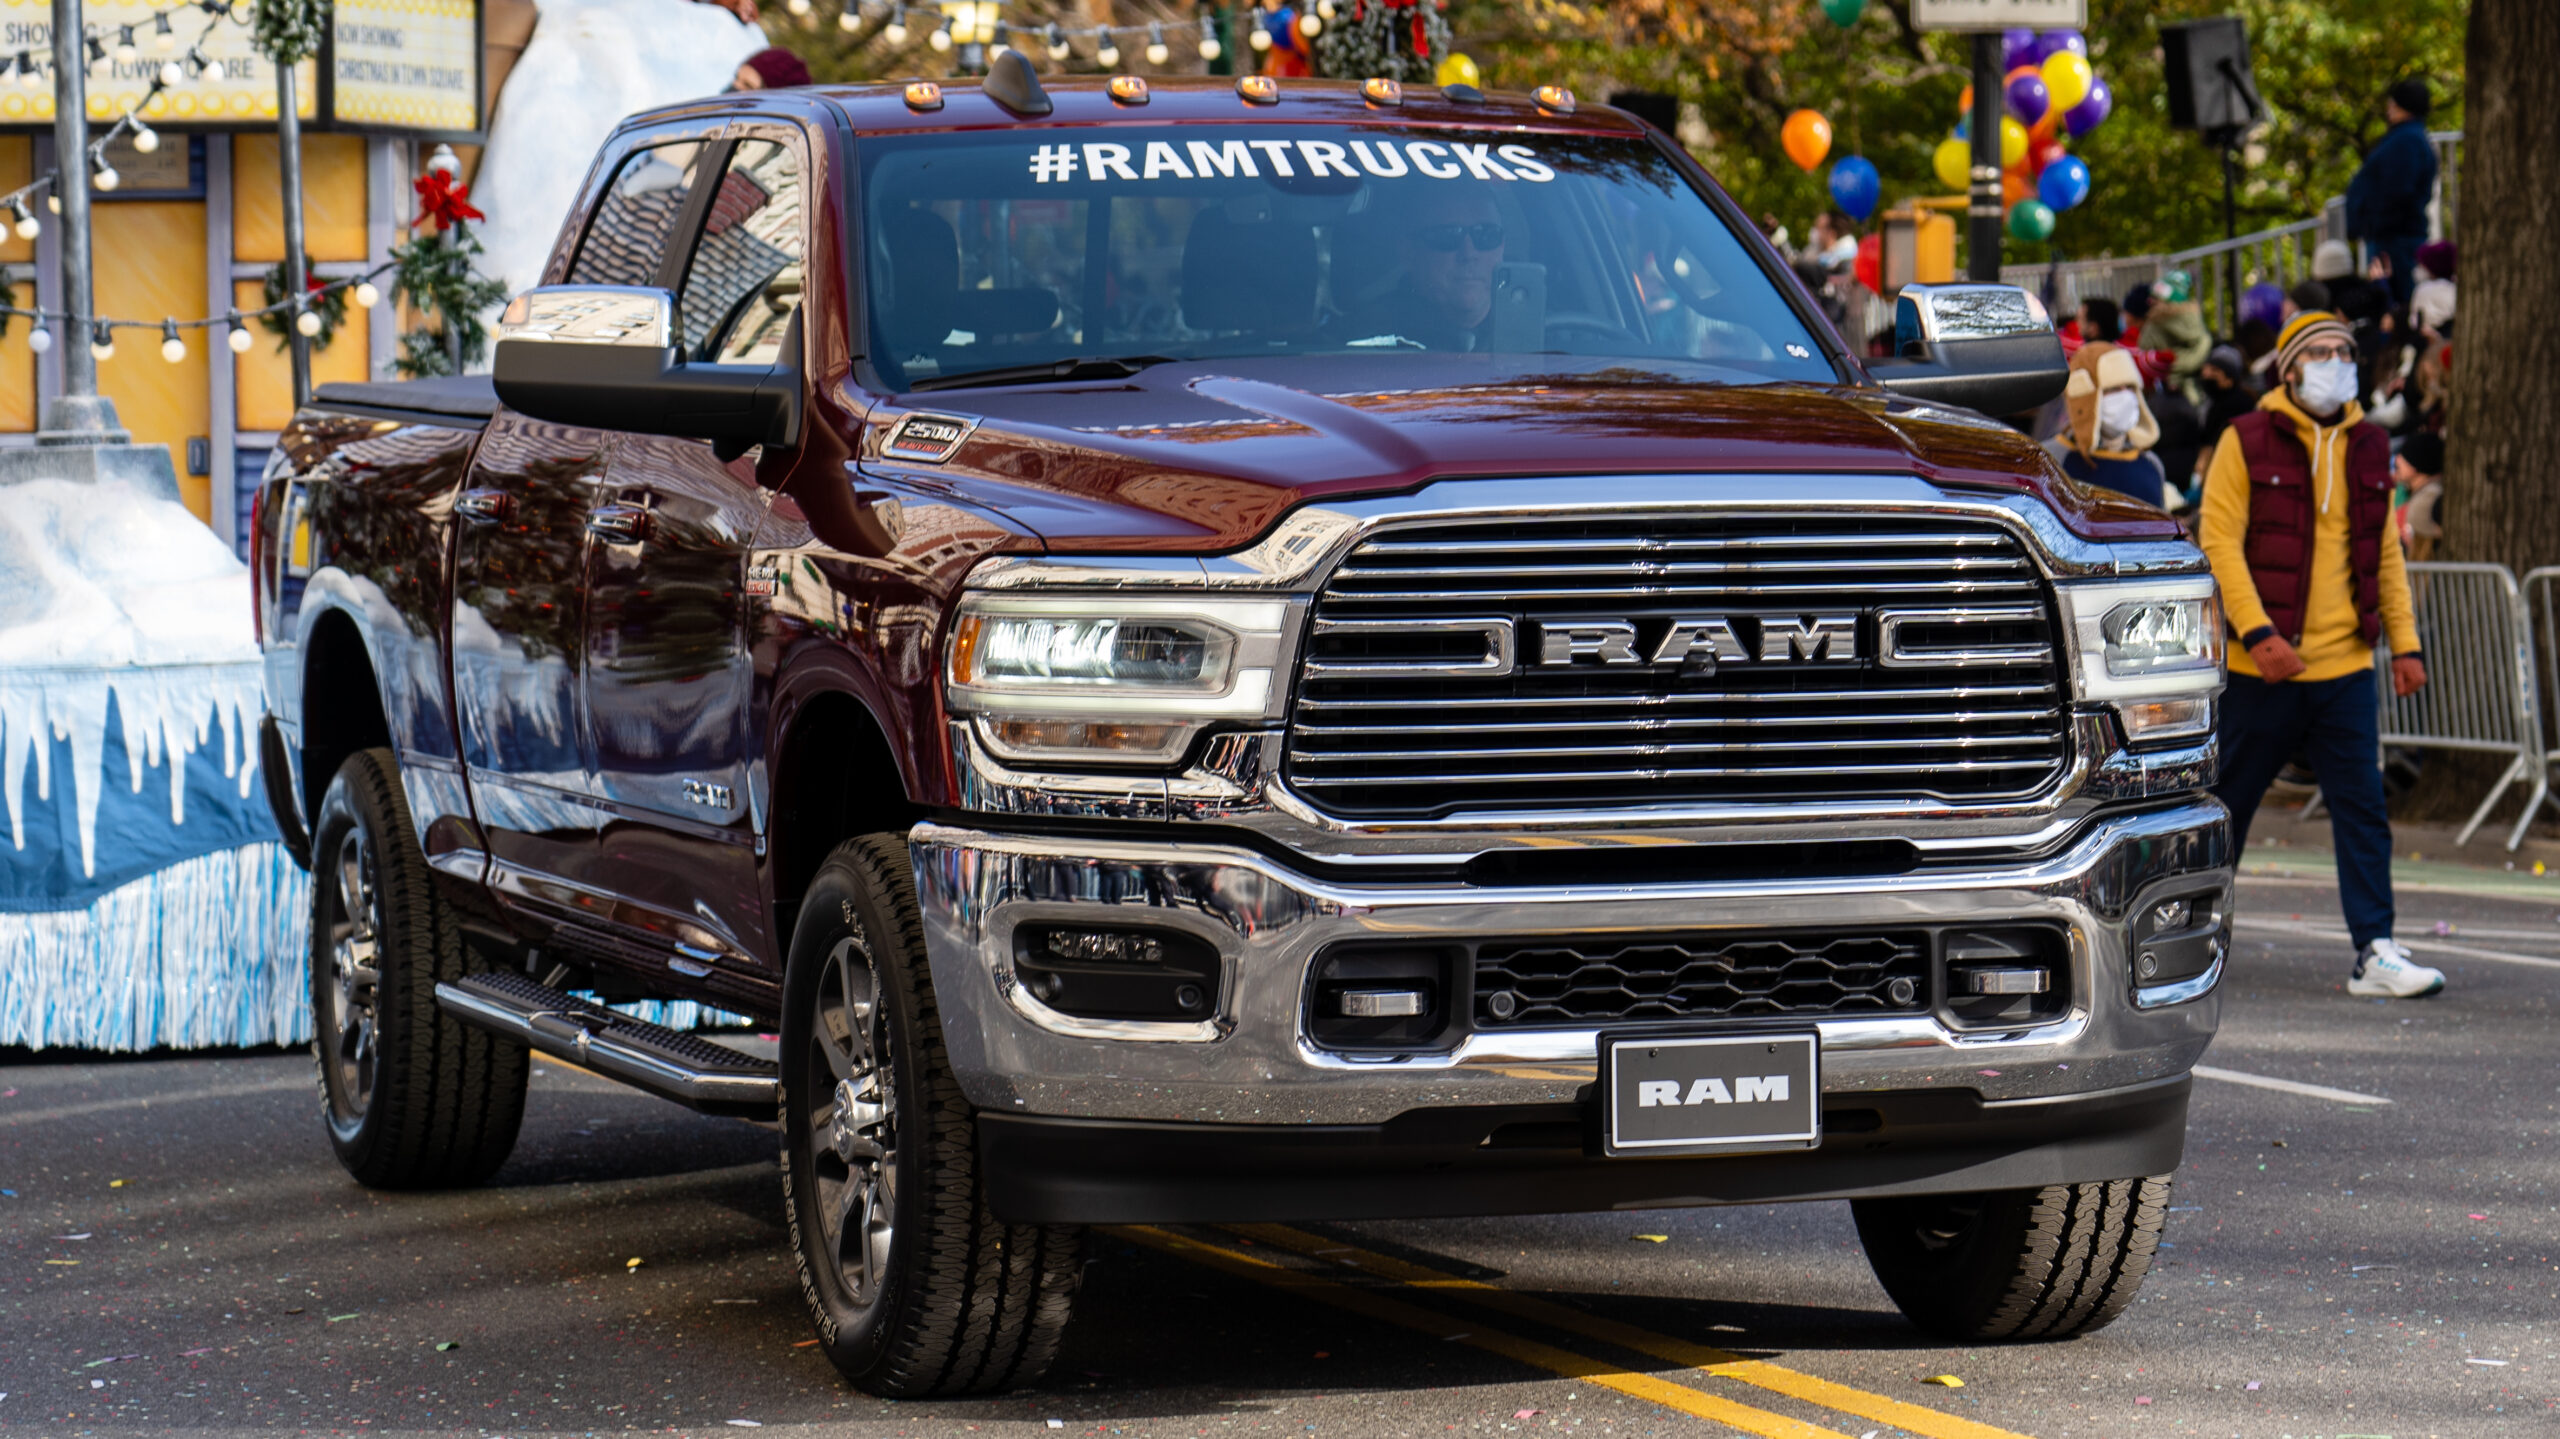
668, 674
520, 607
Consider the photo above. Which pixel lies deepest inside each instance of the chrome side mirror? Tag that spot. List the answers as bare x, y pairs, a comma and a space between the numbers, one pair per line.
631, 315
1987, 347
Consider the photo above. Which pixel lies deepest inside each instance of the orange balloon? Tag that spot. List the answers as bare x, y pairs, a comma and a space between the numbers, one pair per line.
2015, 186
1807, 138
2046, 128
1964, 102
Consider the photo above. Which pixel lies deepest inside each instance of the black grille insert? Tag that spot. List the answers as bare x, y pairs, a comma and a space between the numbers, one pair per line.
1597, 980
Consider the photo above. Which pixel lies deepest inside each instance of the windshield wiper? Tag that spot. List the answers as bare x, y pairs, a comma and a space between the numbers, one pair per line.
1077, 367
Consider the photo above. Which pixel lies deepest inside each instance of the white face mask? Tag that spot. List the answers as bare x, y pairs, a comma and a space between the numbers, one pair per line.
2118, 412
2327, 385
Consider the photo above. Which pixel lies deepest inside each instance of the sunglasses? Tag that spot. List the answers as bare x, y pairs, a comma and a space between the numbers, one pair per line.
1486, 236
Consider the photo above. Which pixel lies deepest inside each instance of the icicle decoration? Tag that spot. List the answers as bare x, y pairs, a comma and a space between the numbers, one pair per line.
167, 713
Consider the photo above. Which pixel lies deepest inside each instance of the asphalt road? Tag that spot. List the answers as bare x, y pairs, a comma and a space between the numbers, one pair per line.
180, 1253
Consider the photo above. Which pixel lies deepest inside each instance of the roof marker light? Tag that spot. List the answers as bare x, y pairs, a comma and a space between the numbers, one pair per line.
1258, 89
1380, 91
1129, 89
1554, 98
923, 95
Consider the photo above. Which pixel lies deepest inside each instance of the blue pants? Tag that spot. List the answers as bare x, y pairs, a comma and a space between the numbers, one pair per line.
2403, 250
2336, 722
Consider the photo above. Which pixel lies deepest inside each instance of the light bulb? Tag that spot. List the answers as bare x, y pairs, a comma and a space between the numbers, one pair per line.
28, 75
1210, 49
162, 37
172, 349
1157, 51
797, 7
53, 203
1324, 8
102, 342
1108, 55
238, 339
173, 75
1310, 26
145, 139
1057, 45
940, 39
366, 295
1260, 39
28, 225
849, 19
307, 324
124, 43
39, 339
895, 32
106, 178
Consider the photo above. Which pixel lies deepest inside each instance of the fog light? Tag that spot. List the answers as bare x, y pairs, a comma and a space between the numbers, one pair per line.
2171, 914
1128, 974
1101, 946
2165, 719
1089, 739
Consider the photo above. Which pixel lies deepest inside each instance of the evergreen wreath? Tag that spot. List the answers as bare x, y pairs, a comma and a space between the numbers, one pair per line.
329, 304
1395, 39
288, 32
436, 274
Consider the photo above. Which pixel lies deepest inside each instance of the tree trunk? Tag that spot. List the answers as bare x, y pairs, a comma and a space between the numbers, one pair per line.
2502, 419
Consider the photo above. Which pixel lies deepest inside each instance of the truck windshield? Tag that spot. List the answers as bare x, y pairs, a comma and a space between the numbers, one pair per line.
999, 251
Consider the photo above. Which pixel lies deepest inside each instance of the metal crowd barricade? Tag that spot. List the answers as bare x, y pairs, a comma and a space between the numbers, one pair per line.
2481, 693
2542, 620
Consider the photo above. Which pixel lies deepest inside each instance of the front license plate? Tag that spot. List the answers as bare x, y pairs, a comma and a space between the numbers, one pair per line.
1718, 1094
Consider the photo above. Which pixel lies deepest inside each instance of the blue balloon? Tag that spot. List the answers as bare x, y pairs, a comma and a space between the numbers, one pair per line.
2054, 42
1855, 186
2064, 183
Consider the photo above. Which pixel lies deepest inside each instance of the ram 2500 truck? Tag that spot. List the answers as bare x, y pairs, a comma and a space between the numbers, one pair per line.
1255, 651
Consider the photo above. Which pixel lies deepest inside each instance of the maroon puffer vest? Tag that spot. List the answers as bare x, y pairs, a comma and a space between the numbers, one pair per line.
2283, 502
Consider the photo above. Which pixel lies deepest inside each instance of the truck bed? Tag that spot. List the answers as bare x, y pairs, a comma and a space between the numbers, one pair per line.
456, 401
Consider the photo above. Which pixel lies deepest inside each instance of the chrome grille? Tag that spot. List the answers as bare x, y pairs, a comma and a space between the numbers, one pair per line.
1426, 690
1599, 981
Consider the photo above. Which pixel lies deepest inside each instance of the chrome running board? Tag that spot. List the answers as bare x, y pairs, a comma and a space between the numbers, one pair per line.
686, 1068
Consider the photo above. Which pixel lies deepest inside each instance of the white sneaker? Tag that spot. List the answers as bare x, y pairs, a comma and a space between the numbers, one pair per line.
2385, 971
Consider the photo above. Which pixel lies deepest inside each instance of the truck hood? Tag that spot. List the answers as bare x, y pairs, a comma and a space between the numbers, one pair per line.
1206, 456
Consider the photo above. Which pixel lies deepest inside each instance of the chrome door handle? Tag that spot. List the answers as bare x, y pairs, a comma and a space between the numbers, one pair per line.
619, 524
484, 507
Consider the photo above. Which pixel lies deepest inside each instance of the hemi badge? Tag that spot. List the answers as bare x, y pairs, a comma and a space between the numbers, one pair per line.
929, 438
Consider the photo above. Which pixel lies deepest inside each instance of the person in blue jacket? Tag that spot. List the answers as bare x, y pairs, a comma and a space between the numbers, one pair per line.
2109, 438
2387, 200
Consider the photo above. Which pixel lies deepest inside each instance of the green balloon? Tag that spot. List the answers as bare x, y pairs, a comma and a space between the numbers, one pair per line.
2030, 220
1843, 13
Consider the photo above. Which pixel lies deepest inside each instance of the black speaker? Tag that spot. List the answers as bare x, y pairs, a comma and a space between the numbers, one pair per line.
2206, 63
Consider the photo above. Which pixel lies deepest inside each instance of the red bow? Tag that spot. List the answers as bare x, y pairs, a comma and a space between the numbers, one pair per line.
441, 200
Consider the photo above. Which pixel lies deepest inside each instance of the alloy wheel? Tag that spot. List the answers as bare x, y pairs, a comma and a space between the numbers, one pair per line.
351, 1029
853, 1124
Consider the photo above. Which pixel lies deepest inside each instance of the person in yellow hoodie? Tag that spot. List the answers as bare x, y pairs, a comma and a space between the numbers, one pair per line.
2297, 509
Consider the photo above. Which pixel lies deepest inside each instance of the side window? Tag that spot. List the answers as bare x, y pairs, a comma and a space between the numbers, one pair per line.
635, 223
743, 282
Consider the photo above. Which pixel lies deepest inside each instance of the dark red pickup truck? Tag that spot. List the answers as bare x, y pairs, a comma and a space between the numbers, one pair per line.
1214, 652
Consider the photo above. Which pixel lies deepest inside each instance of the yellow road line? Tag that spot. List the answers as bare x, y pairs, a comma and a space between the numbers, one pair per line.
1526, 1351
1914, 1417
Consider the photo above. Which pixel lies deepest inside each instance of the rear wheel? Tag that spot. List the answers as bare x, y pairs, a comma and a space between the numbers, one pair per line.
915, 1287
2044, 1263
413, 1098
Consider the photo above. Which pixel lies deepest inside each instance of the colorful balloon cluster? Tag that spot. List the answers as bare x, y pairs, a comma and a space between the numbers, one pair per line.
2050, 97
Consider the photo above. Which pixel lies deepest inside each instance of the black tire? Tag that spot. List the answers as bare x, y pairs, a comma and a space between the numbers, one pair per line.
939, 1296
2046, 1263
413, 1098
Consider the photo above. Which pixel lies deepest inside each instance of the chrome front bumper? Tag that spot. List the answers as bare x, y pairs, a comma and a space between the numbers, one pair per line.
1252, 1064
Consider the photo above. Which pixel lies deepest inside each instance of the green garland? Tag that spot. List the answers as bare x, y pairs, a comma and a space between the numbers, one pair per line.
436, 274
288, 32
1376, 38
330, 305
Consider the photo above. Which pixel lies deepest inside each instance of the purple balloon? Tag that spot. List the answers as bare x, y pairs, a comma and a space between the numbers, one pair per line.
2018, 47
2262, 302
2084, 117
2054, 42
2028, 98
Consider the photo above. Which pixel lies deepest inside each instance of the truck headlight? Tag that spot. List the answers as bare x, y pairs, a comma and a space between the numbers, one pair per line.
2153, 648
1112, 679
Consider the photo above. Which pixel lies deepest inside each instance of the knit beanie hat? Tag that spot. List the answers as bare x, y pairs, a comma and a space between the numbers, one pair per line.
2425, 453
780, 69
2332, 261
2438, 257
2305, 329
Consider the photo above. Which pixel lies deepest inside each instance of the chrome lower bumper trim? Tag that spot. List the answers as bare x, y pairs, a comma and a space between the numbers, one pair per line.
1252, 1063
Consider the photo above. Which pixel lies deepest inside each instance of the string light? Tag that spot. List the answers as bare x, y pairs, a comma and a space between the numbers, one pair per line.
797, 7
97, 49
1109, 55
307, 324
366, 295
28, 225
145, 139
172, 349
102, 341
27, 75
1057, 44
1210, 49
102, 176
849, 19
1309, 25
940, 39
239, 339
1324, 9
173, 75
40, 339
1157, 51
1259, 39
162, 37
124, 43
895, 32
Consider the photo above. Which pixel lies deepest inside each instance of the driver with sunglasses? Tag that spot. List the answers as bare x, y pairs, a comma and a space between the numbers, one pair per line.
1449, 242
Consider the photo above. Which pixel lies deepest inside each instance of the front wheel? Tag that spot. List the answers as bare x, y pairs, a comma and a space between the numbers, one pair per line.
914, 1285
2045, 1263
